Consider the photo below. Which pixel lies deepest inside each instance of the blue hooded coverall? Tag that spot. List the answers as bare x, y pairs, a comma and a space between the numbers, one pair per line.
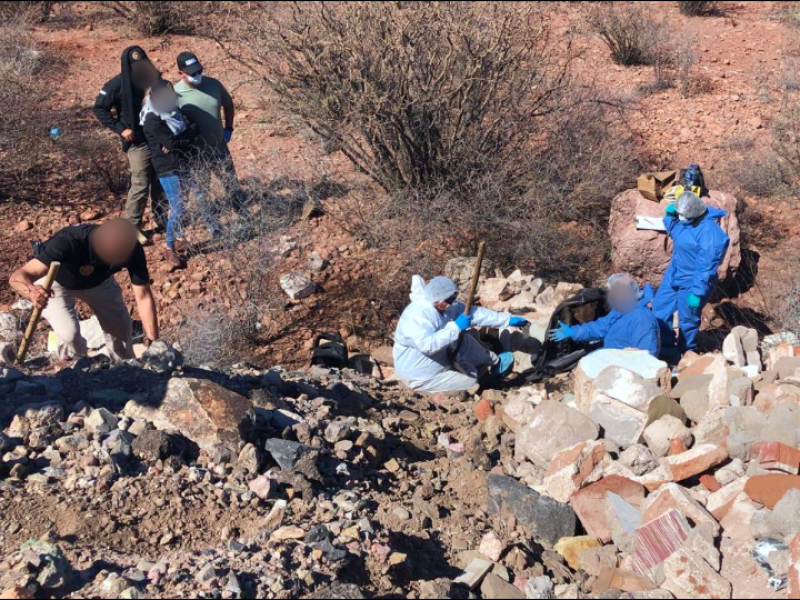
699, 248
635, 329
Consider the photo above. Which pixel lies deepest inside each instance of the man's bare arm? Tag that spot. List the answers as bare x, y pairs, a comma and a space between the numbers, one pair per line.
146, 305
23, 281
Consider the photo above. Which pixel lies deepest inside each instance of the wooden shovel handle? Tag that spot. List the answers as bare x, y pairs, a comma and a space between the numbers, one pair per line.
37, 313
476, 276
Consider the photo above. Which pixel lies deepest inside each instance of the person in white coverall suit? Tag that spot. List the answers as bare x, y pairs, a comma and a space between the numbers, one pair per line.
428, 334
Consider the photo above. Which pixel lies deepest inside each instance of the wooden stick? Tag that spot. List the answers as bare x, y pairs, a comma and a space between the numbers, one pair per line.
37, 313
476, 276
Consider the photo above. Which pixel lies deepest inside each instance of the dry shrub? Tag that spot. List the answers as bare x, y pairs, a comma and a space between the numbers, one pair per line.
158, 18
465, 117
417, 95
632, 32
789, 13
32, 12
238, 262
786, 135
757, 173
95, 155
698, 9
790, 309
23, 120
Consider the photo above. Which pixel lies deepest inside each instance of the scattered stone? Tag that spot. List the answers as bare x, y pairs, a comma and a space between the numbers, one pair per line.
161, 358
298, 285
589, 503
660, 434
201, 410
570, 548
492, 547
687, 575
542, 517
554, 427
474, 573
494, 588
573, 468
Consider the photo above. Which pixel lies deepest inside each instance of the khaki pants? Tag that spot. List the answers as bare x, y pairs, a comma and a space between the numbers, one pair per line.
144, 185
108, 305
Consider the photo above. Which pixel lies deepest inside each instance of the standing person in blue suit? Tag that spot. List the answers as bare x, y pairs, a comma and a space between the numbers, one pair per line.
700, 246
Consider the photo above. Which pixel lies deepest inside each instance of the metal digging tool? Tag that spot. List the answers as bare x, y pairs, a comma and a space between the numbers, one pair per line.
37, 313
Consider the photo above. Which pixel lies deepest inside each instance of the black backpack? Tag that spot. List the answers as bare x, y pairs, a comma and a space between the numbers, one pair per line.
560, 357
330, 351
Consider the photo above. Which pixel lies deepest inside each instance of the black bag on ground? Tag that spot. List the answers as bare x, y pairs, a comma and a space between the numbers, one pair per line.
560, 357
330, 351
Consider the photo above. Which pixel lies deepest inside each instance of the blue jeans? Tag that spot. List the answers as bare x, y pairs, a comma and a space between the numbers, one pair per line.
175, 187
171, 185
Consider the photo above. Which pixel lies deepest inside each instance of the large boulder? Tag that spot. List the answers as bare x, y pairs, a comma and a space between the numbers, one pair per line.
647, 253
201, 410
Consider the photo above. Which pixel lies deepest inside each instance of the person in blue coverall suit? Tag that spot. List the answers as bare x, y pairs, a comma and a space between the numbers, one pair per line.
630, 324
700, 245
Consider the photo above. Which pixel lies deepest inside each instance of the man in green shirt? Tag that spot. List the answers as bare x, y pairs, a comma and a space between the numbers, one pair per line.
204, 100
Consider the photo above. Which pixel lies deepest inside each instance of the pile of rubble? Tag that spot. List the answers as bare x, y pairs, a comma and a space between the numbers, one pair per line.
623, 479
659, 483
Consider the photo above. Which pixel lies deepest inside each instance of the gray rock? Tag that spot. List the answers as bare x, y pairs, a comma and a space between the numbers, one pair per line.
153, 445
206, 413
118, 445
51, 569
100, 422
696, 403
543, 517
639, 459
160, 357
298, 285
539, 588
292, 456
341, 591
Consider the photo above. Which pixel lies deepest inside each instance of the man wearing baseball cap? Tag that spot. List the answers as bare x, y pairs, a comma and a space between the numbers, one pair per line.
205, 101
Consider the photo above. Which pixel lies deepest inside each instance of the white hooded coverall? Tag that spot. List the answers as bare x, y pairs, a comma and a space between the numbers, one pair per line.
424, 336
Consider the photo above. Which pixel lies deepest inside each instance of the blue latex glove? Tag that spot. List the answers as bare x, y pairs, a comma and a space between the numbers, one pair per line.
227, 135
517, 322
505, 364
464, 322
671, 212
694, 303
563, 333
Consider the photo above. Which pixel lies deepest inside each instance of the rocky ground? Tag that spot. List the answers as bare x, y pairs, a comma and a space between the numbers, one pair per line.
626, 478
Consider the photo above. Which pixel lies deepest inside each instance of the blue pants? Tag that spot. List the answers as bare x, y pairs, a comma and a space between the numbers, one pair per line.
175, 187
668, 300
171, 185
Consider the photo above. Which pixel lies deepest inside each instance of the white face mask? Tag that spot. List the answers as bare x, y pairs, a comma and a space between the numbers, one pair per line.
195, 79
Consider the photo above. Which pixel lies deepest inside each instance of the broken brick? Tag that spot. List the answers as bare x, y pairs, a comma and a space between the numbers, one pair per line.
483, 410
769, 489
696, 461
590, 503
775, 456
573, 468
687, 575
675, 497
658, 540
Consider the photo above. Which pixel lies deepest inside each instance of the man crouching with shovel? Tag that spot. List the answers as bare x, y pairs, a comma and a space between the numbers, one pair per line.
89, 257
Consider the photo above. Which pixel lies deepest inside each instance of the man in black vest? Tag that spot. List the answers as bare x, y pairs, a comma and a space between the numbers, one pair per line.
90, 256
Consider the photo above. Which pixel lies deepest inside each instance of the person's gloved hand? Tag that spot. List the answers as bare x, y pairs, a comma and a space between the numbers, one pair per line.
464, 322
227, 135
517, 322
694, 303
564, 332
672, 211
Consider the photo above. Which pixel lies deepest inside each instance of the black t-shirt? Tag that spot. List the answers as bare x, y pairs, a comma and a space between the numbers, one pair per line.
80, 268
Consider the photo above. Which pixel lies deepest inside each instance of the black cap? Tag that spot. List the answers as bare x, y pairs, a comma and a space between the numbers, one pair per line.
188, 63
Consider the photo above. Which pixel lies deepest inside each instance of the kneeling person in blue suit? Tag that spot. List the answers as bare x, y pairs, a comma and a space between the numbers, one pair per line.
630, 324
